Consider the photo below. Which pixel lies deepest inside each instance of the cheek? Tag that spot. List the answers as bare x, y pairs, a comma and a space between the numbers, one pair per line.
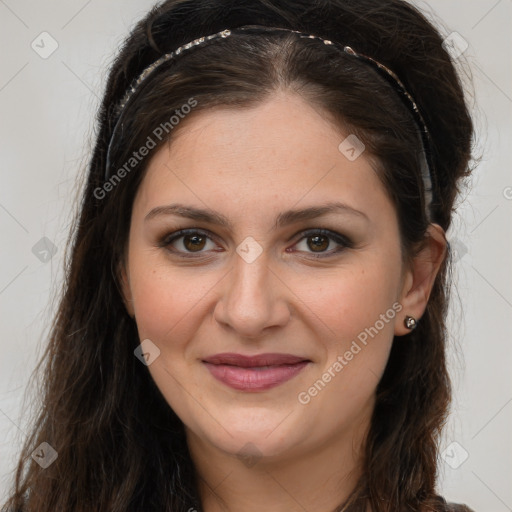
357, 308
360, 309
167, 299
348, 301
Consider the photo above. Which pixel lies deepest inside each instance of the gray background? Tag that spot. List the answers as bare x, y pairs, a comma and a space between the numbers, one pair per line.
48, 107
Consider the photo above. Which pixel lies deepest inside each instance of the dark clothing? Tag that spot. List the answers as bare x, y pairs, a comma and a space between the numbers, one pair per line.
454, 507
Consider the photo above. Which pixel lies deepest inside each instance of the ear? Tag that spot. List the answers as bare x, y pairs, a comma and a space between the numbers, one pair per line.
420, 276
126, 292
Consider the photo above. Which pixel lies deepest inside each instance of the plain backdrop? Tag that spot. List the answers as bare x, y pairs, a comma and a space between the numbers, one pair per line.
48, 107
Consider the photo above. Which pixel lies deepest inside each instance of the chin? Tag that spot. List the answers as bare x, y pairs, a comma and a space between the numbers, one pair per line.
251, 447
252, 432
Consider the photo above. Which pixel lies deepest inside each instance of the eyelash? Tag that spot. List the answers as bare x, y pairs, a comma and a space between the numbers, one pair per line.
341, 240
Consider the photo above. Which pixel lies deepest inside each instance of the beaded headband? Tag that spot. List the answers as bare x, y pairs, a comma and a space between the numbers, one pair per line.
423, 133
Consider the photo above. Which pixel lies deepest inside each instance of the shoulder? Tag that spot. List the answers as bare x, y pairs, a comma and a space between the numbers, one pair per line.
455, 507
444, 506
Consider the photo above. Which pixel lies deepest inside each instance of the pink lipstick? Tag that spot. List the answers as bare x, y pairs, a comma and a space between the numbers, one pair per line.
254, 373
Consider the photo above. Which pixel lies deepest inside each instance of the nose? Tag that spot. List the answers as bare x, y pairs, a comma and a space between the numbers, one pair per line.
253, 299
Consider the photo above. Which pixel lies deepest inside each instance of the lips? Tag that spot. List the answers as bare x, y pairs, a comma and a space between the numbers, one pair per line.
254, 361
254, 373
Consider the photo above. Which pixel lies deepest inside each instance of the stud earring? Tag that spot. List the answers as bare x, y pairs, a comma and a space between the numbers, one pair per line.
410, 322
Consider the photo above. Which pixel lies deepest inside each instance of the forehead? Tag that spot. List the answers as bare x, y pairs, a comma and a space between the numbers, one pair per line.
282, 151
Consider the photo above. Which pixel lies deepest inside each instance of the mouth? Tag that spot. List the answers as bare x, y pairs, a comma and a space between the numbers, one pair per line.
254, 373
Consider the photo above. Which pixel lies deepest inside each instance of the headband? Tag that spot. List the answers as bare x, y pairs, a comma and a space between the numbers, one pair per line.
422, 130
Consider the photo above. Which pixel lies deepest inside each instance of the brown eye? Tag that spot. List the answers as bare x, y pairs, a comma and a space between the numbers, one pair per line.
189, 242
194, 242
318, 243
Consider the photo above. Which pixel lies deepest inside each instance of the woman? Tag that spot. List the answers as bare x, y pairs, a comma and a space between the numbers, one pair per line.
254, 311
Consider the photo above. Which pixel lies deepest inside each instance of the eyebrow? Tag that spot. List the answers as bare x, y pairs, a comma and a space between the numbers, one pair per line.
284, 218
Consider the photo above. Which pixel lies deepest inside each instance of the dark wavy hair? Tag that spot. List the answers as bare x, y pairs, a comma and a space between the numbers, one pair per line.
121, 448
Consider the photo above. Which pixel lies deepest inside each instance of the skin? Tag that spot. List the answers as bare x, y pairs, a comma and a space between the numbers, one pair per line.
250, 165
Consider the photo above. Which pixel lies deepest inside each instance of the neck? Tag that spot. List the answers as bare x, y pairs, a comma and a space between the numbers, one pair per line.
321, 478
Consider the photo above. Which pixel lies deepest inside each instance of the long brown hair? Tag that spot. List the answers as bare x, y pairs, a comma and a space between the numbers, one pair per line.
120, 446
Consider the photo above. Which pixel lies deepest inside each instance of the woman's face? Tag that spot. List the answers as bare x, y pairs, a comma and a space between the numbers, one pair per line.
292, 248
